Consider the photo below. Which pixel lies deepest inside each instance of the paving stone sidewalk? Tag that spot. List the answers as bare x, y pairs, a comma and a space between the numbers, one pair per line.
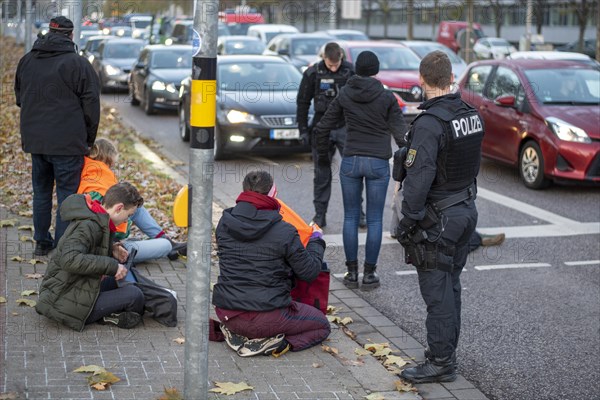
38, 356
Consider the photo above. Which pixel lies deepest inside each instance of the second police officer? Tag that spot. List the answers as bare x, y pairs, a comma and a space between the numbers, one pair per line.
438, 209
320, 84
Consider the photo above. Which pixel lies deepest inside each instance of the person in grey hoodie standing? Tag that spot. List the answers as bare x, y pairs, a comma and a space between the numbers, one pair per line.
58, 93
372, 114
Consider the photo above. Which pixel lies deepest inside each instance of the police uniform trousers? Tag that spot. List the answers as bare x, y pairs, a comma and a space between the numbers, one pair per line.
441, 290
323, 173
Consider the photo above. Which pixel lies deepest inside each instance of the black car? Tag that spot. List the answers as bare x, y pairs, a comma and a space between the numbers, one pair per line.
156, 77
90, 50
237, 44
589, 47
256, 106
301, 49
114, 61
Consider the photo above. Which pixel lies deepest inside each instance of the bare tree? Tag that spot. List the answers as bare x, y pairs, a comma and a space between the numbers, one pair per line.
386, 7
496, 6
539, 9
410, 19
435, 17
368, 11
582, 10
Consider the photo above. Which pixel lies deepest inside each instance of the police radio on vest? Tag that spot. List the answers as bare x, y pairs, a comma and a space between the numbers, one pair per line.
467, 126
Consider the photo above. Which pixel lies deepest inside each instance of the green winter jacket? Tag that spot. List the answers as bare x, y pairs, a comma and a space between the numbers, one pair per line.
71, 284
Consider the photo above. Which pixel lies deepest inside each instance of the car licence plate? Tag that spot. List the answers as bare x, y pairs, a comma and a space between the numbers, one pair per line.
279, 134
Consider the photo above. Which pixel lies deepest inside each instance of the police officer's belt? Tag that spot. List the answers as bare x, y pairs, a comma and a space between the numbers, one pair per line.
454, 199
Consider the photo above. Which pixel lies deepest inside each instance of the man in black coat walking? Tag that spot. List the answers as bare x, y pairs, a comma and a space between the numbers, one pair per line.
58, 93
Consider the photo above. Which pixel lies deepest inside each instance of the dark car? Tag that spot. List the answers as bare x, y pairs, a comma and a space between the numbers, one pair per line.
541, 116
114, 61
90, 51
256, 106
589, 47
301, 49
156, 77
237, 44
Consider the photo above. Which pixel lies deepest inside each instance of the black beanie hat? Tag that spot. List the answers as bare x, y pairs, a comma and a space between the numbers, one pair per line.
367, 64
61, 24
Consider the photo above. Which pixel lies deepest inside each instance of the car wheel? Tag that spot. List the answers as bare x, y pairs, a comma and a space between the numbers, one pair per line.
219, 150
148, 103
184, 127
134, 101
531, 166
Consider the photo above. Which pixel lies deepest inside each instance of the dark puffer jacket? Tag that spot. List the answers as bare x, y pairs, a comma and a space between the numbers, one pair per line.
258, 253
72, 281
59, 95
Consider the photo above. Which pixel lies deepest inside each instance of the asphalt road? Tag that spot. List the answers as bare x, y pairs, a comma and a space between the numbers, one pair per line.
531, 307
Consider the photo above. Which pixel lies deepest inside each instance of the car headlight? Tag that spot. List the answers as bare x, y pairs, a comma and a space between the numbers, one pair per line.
110, 70
417, 92
159, 86
171, 88
238, 117
566, 131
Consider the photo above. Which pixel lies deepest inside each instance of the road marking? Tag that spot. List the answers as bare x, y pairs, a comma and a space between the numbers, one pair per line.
576, 263
406, 272
511, 266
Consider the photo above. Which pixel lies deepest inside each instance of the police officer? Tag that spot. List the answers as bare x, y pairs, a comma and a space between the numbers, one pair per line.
438, 209
321, 84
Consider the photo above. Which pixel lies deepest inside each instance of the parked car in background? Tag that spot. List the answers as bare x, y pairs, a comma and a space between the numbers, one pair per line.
553, 55
114, 61
85, 35
238, 44
398, 70
266, 32
155, 80
589, 47
345, 34
44, 28
256, 106
238, 22
90, 51
301, 49
540, 116
452, 34
493, 47
423, 47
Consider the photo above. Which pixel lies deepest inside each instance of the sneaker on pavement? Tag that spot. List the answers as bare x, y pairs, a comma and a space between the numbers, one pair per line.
234, 340
43, 248
265, 346
125, 320
492, 240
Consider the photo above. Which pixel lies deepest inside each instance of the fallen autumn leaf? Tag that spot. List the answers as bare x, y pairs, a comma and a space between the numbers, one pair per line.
229, 388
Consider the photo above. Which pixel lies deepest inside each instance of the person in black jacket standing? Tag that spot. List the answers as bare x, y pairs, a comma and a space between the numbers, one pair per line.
58, 93
438, 209
321, 84
259, 254
372, 114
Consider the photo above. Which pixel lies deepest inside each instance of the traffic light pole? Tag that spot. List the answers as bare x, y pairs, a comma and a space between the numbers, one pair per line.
202, 121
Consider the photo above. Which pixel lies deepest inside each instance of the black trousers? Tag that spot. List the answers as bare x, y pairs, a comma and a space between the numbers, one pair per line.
323, 173
441, 290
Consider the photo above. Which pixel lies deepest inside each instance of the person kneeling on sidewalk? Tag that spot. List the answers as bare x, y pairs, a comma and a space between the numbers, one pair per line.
80, 284
259, 254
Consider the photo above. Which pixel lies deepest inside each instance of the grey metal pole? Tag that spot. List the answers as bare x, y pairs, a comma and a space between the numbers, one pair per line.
202, 120
18, 37
77, 17
28, 25
528, 25
332, 13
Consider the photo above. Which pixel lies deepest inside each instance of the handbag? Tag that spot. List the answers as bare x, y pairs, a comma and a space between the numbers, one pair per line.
160, 303
315, 293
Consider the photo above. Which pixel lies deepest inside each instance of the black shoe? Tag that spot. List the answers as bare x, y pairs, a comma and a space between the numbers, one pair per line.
351, 277
453, 359
319, 219
436, 369
43, 248
234, 340
370, 278
125, 320
265, 346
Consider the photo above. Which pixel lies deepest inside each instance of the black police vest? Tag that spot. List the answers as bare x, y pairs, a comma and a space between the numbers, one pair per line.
458, 163
328, 85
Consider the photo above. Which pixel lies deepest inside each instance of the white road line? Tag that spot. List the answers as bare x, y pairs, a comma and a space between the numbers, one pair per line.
576, 263
406, 272
510, 266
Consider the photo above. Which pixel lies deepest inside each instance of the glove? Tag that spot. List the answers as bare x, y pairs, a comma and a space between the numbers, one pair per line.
407, 225
305, 136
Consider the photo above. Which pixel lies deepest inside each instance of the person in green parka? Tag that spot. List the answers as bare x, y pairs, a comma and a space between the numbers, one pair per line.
80, 284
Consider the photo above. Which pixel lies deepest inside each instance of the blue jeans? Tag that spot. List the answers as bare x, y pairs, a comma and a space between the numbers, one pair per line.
147, 224
375, 172
46, 169
150, 249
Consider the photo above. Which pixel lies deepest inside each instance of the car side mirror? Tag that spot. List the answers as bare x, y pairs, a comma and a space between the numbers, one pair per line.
505, 101
140, 65
283, 52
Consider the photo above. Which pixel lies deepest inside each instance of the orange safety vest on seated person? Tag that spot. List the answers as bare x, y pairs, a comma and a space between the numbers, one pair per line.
290, 216
96, 178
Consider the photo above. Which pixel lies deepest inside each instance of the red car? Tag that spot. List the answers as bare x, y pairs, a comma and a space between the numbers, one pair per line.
542, 116
398, 70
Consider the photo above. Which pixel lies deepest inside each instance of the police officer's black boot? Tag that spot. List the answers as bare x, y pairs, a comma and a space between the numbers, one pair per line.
428, 354
370, 279
434, 369
351, 277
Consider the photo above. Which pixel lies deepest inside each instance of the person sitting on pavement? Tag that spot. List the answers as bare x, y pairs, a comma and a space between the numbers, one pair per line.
259, 255
97, 177
80, 284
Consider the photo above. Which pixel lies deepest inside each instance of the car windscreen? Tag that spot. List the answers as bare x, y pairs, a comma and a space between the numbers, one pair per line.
565, 86
244, 47
172, 59
257, 76
307, 46
422, 51
391, 58
498, 43
122, 50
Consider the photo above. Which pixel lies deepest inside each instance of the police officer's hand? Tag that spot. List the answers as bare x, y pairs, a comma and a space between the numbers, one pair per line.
407, 225
305, 136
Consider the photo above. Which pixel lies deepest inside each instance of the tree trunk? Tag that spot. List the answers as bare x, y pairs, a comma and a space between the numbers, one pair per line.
368, 21
410, 12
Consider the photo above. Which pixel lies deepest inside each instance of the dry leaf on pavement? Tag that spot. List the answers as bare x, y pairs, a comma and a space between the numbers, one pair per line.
26, 213
399, 361
25, 228
8, 396
99, 386
171, 394
329, 349
104, 379
334, 319
28, 292
2, 299
332, 310
375, 396
346, 321
349, 333
402, 386
30, 303
35, 261
317, 365
34, 276
16, 258
179, 340
26, 238
229, 388
361, 352
7, 222
95, 369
